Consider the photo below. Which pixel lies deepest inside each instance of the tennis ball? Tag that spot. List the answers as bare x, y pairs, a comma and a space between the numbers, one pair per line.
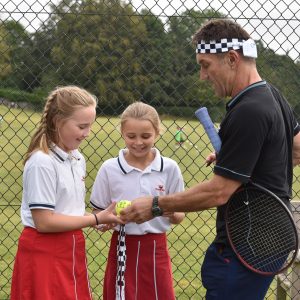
121, 205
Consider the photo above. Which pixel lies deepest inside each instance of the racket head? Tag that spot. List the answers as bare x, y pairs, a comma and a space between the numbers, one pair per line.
261, 230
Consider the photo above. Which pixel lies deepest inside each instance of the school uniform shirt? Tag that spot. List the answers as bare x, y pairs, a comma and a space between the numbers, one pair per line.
117, 180
146, 272
54, 181
52, 265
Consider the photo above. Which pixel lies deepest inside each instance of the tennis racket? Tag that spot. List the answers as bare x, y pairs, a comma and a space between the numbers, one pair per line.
260, 228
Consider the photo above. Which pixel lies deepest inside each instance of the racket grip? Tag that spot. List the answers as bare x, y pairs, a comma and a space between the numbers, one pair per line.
205, 120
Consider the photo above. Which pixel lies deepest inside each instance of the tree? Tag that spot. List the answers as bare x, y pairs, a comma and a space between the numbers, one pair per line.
22, 57
97, 45
5, 51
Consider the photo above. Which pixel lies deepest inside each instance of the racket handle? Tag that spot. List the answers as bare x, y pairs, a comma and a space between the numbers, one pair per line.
205, 120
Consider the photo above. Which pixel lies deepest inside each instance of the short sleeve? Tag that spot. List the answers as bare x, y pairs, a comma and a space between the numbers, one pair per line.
176, 179
246, 131
40, 187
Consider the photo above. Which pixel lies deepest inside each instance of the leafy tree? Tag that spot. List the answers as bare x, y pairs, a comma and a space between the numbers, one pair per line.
24, 55
122, 55
100, 51
186, 86
281, 71
5, 51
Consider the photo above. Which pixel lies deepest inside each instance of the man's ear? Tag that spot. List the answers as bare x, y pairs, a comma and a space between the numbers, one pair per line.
232, 58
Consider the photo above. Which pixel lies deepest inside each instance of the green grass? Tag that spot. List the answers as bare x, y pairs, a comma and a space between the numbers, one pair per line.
187, 241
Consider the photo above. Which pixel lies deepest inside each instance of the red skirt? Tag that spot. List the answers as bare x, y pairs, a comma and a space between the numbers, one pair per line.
50, 266
148, 272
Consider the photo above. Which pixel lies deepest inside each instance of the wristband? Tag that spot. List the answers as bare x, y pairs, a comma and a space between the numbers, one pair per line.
97, 223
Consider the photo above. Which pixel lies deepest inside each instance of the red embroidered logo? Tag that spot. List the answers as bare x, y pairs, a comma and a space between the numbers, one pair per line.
160, 188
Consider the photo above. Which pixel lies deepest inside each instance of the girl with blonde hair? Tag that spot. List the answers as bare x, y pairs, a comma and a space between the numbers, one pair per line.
139, 264
51, 260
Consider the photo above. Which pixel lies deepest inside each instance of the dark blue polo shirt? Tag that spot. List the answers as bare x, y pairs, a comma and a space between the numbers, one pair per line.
257, 140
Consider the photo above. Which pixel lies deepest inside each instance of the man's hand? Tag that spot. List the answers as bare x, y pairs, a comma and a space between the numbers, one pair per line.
139, 211
210, 158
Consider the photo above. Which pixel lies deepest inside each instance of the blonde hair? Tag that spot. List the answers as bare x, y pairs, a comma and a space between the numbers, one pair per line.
141, 111
61, 104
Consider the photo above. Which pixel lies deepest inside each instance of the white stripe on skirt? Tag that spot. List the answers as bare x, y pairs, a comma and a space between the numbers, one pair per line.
74, 262
136, 269
154, 268
88, 280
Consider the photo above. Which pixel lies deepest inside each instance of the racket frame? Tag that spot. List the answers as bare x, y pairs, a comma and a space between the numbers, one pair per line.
255, 185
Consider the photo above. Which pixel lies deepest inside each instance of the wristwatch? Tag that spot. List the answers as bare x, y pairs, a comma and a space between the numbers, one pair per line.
156, 210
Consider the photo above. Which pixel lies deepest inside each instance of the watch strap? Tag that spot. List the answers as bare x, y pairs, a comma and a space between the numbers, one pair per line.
156, 210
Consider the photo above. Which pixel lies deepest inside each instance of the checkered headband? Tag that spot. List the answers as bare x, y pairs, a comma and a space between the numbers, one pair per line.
225, 45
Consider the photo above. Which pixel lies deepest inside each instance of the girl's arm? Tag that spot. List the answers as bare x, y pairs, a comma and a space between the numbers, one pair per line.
48, 221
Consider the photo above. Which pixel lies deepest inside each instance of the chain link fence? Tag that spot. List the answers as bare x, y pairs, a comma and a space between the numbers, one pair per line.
124, 51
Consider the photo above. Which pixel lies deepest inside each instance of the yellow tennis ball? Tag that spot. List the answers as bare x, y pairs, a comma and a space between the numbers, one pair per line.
121, 205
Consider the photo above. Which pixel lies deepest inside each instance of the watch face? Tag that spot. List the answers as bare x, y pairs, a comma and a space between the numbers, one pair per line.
156, 211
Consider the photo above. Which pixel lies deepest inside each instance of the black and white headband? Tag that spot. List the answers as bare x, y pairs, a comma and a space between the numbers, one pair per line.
225, 45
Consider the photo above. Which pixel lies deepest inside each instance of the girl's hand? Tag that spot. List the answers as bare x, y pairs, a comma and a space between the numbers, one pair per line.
168, 214
109, 217
105, 227
174, 217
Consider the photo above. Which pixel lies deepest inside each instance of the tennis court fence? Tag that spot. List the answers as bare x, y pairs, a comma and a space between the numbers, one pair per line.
123, 51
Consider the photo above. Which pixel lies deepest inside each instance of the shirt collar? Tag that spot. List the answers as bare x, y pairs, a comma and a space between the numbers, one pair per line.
237, 98
62, 156
156, 165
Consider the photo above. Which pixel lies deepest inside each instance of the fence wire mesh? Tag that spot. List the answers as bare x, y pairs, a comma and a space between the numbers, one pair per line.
123, 51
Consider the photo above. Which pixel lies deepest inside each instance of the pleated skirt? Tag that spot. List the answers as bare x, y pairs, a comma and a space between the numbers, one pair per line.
148, 272
50, 266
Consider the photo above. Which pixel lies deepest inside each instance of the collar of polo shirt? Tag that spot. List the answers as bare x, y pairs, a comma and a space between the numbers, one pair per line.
62, 155
157, 164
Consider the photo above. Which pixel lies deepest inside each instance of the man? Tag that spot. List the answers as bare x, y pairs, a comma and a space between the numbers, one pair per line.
260, 143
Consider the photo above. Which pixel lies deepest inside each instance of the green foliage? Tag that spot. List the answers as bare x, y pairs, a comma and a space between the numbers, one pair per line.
21, 61
5, 66
122, 55
13, 95
281, 71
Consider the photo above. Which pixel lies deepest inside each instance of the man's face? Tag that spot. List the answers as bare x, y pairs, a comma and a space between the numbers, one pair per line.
216, 69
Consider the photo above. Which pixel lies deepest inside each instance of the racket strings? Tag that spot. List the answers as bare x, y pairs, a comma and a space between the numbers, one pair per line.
273, 236
257, 232
261, 231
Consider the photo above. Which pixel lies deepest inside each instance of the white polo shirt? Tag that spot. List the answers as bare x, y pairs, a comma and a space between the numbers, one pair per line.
53, 181
117, 180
